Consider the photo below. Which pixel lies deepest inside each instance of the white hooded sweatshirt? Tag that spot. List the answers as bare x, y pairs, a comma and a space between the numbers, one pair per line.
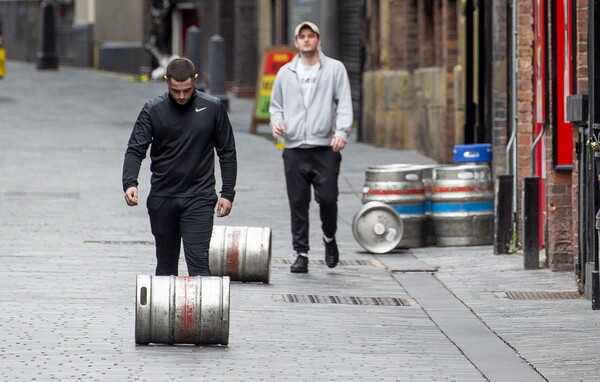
329, 112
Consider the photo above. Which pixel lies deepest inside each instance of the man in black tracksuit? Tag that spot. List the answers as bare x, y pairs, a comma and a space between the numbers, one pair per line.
184, 127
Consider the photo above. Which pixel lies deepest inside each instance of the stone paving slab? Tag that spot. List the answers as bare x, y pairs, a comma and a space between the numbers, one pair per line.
557, 337
496, 360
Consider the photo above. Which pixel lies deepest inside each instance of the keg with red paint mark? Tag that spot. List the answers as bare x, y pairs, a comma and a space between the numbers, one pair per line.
182, 310
242, 253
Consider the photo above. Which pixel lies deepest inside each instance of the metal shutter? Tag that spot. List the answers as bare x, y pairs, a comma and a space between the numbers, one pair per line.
352, 49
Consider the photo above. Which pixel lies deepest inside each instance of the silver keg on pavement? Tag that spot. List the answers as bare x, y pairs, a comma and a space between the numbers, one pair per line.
377, 227
182, 310
462, 199
242, 253
400, 186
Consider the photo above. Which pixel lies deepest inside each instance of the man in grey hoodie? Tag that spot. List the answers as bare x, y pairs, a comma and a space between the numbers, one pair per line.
311, 107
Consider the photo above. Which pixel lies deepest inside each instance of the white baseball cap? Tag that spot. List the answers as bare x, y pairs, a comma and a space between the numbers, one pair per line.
308, 24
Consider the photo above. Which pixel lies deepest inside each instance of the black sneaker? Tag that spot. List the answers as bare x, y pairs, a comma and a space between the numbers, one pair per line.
332, 254
301, 265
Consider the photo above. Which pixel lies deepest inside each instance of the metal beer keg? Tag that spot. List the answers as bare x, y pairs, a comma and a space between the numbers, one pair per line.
427, 179
182, 310
377, 227
400, 186
242, 253
463, 205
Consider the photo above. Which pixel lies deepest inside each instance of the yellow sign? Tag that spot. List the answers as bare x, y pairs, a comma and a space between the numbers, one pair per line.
274, 58
2, 61
264, 96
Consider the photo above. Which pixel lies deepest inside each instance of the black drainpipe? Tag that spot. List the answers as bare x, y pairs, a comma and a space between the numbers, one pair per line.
593, 133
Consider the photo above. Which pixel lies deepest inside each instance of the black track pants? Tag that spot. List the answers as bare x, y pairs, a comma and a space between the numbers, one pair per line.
174, 219
318, 167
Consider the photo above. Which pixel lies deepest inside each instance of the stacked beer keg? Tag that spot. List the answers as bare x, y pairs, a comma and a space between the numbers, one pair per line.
443, 205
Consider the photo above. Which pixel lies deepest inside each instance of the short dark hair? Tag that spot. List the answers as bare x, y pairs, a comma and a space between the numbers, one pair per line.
180, 69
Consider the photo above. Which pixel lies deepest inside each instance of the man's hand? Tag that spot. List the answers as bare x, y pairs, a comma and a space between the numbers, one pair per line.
337, 144
131, 196
223, 207
277, 129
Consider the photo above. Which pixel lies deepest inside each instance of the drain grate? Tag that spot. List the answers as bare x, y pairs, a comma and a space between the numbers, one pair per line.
543, 295
347, 300
322, 262
119, 242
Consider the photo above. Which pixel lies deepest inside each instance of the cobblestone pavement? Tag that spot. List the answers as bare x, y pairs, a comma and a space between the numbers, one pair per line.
70, 251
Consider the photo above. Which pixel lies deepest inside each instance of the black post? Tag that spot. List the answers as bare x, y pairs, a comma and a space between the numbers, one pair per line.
596, 273
593, 130
503, 228
531, 222
218, 86
194, 52
46, 56
596, 270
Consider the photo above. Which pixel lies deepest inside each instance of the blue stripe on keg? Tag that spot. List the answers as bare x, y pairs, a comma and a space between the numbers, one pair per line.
463, 207
409, 209
428, 206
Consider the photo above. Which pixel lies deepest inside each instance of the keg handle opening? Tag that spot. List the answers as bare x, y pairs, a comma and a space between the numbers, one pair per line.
471, 154
388, 233
143, 296
392, 234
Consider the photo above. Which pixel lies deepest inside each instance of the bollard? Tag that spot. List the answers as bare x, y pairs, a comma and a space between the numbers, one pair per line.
218, 86
46, 56
194, 52
242, 253
503, 228
531, 222
182, 310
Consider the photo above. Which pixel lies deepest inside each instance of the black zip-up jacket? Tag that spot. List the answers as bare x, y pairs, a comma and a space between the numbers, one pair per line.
184, 139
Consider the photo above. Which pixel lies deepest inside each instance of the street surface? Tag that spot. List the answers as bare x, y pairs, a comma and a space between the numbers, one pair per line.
70, 250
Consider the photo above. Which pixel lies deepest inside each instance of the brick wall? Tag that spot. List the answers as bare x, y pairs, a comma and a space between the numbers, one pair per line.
404, 33
560, 185
245, 66
559, 206
427, 43
420, 32
423, 34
